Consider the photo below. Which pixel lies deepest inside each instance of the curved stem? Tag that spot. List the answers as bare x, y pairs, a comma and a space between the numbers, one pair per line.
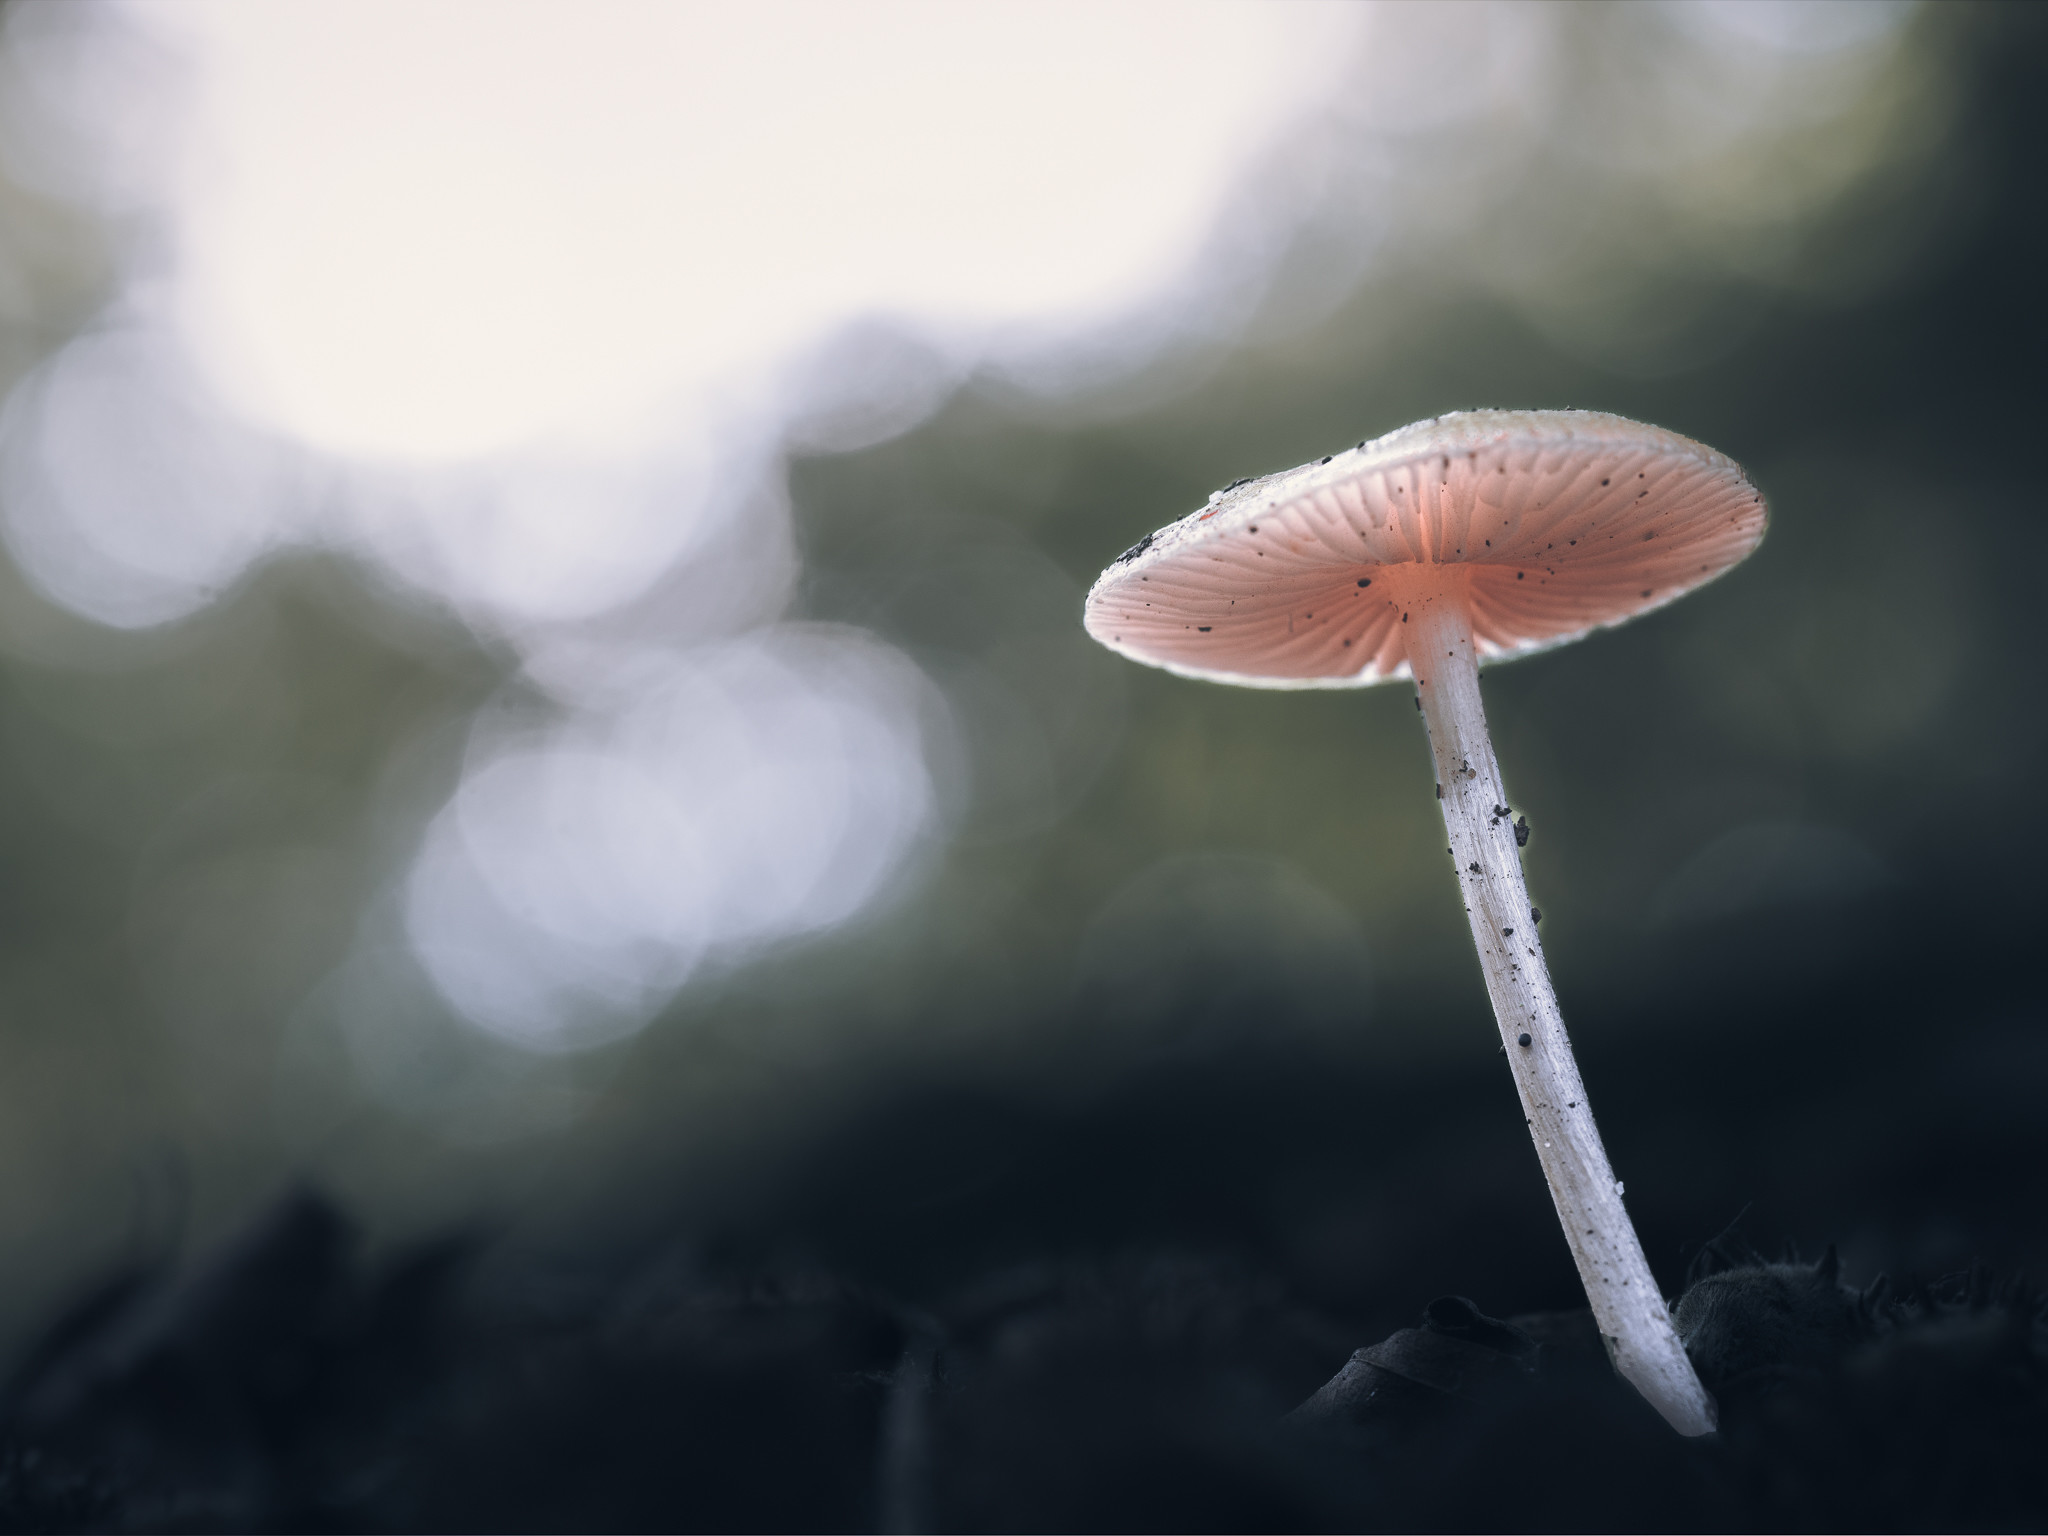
1627, 1305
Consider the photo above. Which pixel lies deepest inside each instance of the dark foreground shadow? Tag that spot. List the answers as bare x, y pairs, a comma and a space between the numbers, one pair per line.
284, 1386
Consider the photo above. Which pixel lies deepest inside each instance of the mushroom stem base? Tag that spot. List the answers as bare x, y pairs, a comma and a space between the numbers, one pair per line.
1627, 1304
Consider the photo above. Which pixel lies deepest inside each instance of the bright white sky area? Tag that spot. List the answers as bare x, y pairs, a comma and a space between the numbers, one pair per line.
523, 303
519, 300
456, 228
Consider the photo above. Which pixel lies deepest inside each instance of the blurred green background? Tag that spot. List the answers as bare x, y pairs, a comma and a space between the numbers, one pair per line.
1184, 969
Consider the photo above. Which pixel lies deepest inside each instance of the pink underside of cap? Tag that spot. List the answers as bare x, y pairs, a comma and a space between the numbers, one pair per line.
1549, 537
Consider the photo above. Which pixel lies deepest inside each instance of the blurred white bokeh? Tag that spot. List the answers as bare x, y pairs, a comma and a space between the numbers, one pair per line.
525, 539
711, 803
126, 495
525, 304
537, 292
451, 229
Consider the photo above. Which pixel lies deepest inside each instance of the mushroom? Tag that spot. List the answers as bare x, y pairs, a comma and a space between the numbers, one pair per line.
1481, 535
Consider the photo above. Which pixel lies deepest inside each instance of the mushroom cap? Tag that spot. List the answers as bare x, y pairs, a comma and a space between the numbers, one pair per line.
1554, 523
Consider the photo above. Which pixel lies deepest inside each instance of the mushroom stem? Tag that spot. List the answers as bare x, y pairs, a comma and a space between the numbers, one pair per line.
1627, 1305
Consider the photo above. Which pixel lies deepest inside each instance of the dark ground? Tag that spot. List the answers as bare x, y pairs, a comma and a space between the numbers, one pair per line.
955, 1312
282, 1388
